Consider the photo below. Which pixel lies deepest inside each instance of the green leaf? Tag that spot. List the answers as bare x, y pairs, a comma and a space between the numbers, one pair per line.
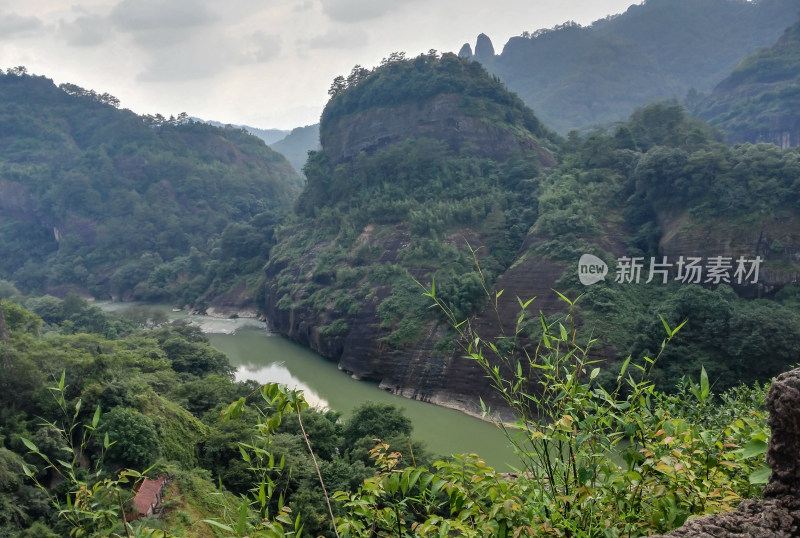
564, 297
242, 522
760, 475
29, 444
704, 387
96, 417
27, 471
755, 447
666, 325
218, 525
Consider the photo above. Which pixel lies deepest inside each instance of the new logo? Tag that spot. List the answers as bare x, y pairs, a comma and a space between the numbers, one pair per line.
591, 269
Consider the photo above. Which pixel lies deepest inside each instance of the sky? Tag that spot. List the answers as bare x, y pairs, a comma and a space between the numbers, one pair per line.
262, 63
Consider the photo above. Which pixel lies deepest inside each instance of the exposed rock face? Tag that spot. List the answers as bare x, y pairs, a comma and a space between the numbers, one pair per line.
441, 118
237, 301
778, 514
775, 239
417, 372
484, 50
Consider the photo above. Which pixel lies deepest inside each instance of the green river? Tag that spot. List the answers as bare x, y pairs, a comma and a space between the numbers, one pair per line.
266, 357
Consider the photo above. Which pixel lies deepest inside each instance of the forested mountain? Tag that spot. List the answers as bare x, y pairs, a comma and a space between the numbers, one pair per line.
577, 77
296, 145
760, 100
426, 159
418, 155
126, 207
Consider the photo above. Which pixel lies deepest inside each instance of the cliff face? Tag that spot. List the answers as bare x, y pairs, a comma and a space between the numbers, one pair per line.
419, 371
775, 239
442, 118
411, 176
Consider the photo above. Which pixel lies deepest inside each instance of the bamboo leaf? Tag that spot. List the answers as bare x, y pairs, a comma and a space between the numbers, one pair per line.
29, 444
96, 417
218, 525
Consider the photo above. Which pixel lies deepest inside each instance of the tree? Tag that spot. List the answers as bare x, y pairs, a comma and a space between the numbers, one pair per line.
376, 420
135, 435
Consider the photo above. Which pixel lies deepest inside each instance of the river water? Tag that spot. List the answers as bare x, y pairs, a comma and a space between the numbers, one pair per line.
267, 357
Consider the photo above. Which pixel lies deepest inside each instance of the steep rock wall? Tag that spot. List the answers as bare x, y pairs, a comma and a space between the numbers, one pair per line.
442, 117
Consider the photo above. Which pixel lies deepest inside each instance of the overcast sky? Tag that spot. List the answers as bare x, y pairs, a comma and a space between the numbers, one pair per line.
264, 63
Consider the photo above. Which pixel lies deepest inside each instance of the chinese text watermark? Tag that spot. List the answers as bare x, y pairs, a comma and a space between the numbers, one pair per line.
689, 270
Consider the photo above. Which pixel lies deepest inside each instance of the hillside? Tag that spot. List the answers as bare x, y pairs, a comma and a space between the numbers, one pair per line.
114, 205
395, 195
759, 101
579, 77
400, 193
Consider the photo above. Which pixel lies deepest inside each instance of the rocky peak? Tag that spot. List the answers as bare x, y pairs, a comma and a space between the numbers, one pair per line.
446, 98
441, 117
484, 50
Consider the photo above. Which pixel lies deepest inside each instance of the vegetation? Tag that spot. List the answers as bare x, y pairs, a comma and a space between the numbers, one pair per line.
661, 174
757, 102
86, 412
620, 458
399, 80
102, 200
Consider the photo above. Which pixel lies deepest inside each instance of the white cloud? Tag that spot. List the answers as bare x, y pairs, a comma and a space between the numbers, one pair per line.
148, 15
260, 47
85, 31
13, 25
336, 38
358, 10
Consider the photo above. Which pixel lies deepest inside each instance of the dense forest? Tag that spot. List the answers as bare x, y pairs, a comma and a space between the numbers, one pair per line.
115, 205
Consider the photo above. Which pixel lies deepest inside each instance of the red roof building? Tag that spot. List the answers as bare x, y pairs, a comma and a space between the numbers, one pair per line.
148, 497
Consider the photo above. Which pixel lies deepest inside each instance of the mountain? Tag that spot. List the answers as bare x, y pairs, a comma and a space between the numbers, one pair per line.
419, 158
577, 77
269, 136
296, 145
115, 205
759, 101
429, 165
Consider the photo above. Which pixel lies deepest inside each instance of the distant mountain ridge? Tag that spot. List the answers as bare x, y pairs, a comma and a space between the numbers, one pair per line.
760, 100
296, 145
269, 136
577, 77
